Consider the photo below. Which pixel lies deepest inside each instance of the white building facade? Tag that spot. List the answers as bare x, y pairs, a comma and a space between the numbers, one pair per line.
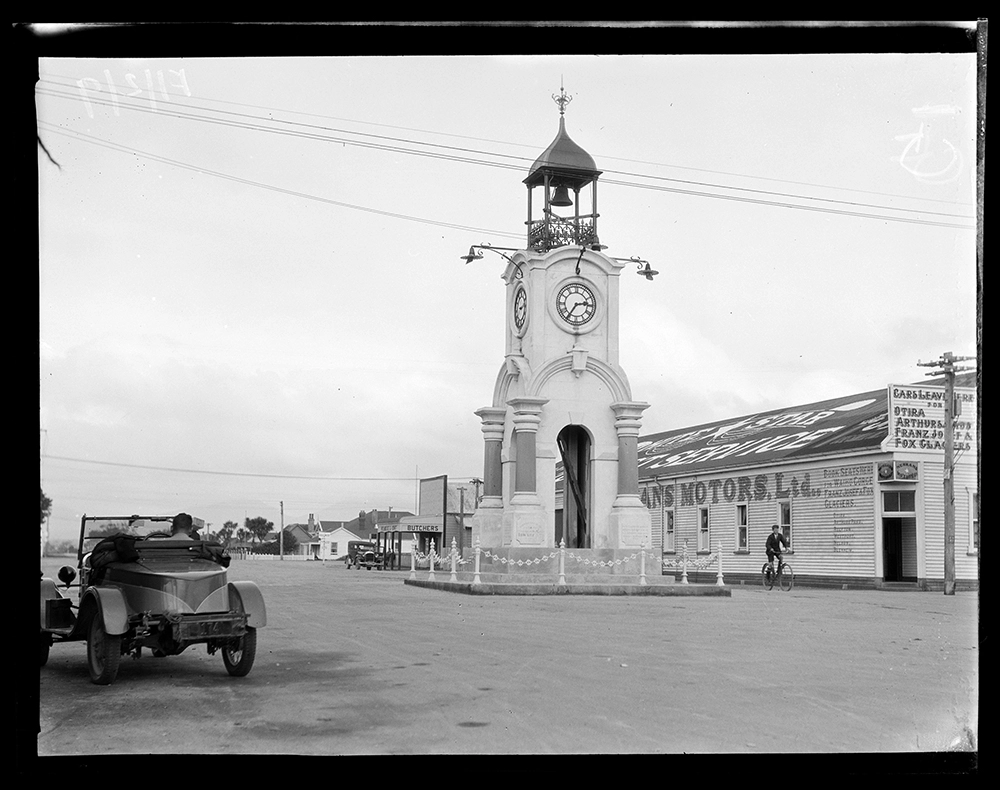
856, 485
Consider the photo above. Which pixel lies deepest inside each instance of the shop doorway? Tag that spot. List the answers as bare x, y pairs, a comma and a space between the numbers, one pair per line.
574, 450
899, 549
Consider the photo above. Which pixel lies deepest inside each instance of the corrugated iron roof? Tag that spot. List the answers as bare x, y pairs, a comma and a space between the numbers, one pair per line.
850, 423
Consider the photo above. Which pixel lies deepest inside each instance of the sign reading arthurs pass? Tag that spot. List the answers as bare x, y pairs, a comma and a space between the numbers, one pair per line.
916, 418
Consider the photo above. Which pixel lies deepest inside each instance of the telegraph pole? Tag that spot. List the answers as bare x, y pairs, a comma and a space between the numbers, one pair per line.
477, 483
946, 366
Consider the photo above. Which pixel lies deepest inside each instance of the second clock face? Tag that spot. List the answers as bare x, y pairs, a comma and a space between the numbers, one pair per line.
576, 304
520, 308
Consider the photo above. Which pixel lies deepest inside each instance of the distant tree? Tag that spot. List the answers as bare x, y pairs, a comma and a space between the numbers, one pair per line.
226, 533
258, 527
60, 547
291, 543
46, 506
111, 528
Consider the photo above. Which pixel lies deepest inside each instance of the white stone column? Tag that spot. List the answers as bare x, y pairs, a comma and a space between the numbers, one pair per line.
524, 518
630, 524
487, 521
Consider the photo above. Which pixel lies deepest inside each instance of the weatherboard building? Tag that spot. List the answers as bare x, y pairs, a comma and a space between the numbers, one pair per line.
855, 483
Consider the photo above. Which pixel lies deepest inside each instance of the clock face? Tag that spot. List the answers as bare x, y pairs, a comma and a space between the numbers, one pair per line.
520, 308
576, 304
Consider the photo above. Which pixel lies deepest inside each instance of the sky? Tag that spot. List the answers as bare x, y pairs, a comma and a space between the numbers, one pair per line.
252, 300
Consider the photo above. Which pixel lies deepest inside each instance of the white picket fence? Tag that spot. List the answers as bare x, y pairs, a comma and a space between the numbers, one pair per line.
270, 557
560, 554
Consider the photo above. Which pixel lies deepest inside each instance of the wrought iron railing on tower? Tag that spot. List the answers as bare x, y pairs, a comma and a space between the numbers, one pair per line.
555, 231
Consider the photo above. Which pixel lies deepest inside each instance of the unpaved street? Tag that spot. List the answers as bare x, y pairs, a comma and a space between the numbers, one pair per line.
356, 662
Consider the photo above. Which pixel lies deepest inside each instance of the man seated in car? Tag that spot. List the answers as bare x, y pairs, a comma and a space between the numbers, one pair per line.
182, 527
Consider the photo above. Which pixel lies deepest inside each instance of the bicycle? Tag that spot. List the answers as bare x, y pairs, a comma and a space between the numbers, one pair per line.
783, 576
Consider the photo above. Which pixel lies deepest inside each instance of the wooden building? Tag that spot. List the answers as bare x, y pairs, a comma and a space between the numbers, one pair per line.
855, 483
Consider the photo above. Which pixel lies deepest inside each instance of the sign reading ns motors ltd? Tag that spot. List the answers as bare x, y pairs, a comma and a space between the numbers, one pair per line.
916, 418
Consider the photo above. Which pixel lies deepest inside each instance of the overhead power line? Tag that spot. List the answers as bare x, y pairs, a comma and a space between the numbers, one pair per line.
70, 83
273, 188
223, 473
461, 154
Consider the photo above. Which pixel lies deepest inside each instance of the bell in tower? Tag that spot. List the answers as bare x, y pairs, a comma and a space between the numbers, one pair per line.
563, 168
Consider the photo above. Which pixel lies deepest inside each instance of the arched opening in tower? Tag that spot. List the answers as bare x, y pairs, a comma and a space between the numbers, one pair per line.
574, 450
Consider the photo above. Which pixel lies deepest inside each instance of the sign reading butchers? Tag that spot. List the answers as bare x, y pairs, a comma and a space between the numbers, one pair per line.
916, 418
856, 422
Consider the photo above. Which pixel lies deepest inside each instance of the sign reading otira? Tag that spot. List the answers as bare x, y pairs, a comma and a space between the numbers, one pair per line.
917, 418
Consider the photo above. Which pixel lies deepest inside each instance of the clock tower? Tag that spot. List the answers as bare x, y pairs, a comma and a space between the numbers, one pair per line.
561, 432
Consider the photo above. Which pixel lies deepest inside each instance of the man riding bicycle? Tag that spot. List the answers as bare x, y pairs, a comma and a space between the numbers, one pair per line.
774, 543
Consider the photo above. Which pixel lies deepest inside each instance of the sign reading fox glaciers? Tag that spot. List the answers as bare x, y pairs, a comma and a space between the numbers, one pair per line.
916, 418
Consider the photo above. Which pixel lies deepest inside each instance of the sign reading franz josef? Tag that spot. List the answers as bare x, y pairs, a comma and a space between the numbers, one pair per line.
916, 418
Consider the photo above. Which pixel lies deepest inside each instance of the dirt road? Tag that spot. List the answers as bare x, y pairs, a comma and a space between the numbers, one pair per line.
356, 662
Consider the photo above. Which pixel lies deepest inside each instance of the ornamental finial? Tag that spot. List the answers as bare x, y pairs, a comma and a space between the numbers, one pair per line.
562, 99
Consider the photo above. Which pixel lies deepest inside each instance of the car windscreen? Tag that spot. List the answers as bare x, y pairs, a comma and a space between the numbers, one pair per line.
94, 529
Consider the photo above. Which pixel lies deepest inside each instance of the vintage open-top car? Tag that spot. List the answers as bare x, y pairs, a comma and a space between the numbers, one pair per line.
363, 554
140, 587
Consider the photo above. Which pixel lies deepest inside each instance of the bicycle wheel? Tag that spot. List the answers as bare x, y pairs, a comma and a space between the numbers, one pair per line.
786, 578
767, 577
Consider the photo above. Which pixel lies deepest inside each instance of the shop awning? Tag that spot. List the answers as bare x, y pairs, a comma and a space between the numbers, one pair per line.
426, 523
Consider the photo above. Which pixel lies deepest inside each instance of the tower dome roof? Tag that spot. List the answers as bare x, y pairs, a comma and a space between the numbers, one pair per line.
564, 158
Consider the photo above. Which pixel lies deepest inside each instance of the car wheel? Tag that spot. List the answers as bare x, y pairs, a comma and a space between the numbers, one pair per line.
104, 652
238, 655
46, 644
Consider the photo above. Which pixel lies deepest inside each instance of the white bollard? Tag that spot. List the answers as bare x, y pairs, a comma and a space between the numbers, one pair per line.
475, 576
413, 560
562, 560
454, 558
642, 563
718, 580
430, 576
684, 564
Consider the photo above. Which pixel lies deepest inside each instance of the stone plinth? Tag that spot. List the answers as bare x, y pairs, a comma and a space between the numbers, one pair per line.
623, 587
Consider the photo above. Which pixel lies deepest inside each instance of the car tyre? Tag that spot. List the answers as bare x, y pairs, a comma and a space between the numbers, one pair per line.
104, 652
238, 655
45, 645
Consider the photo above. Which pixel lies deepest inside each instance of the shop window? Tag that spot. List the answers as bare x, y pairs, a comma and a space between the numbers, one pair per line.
668, 530
899, 502
785, 519
742, 528
703, 536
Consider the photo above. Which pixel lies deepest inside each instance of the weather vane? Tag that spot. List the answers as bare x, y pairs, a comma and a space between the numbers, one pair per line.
562, 99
